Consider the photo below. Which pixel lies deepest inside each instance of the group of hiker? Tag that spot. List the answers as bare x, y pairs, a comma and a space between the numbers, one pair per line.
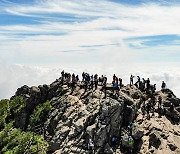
92, 82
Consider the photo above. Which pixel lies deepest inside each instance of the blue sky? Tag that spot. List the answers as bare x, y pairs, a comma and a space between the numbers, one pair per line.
107, 36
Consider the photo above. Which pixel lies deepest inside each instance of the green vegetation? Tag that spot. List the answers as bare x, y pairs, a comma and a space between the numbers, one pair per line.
40, 114
14, 141
4, 111
8, 108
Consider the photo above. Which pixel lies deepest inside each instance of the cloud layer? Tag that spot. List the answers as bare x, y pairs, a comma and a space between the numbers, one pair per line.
103, 36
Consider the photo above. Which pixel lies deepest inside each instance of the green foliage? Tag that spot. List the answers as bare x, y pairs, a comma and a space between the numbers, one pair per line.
4, 111
14, 141
8, 108
17, 104
40, 114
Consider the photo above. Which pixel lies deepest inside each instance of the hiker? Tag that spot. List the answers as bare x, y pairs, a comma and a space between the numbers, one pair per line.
104, 81
113, 141
154, 88
62, 77
77, 78
148, 108
148, 84
130, 126
83, 76
131, 143
68, 79
96, 81
73, 81
91, 82
120, 83
163, 86
143, 84
138, 82
159, 102
91, 145
131, 80
102, 119
101, 79
114, 78
115, 85
171, 107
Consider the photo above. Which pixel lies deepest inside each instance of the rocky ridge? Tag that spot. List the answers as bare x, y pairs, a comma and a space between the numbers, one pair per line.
85, 121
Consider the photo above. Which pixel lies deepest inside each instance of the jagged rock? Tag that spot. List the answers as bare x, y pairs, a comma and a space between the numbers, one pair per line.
21, 118
81, 115
23, 90
154, 139
108, 149
125, 142
129, 115
91, 130
137, 132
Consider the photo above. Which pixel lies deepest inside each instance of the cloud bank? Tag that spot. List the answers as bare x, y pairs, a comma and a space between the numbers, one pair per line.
43, 36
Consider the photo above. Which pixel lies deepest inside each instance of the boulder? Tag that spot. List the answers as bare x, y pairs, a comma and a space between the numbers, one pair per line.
137, 132
154, 139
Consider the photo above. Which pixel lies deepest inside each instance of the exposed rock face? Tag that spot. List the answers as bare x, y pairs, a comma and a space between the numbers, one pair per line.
81, 116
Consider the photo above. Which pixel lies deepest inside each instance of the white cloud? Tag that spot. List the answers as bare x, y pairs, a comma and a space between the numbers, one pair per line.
93, 43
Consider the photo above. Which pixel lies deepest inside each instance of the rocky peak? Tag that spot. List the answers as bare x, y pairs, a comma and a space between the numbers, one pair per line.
85, 121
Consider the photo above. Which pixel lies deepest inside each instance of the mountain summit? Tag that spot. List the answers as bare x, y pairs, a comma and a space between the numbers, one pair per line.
59, 119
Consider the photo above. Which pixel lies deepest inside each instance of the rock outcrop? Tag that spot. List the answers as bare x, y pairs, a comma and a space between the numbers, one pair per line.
85, 121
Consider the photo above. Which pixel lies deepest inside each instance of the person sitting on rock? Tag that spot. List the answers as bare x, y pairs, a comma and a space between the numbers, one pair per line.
131, 80
163, 86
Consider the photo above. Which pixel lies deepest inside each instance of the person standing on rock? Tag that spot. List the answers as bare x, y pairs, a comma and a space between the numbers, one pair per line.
114, 78
73, 81
163, 86
104, 81
131, 143
159, 102
62, 77
69, 79
131, 80
83, 76
120, 83
138, 81
143, 84
92, 82
148, 84
77, 78
148, 108
96, 81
